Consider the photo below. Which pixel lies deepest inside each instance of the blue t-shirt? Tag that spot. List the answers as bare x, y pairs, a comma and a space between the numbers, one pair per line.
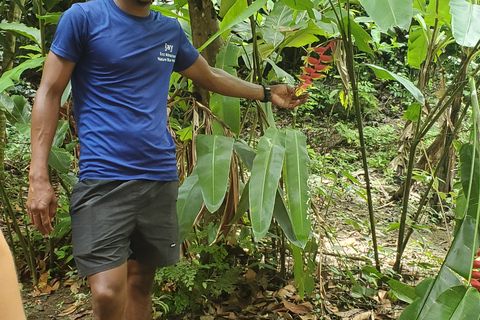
120, 88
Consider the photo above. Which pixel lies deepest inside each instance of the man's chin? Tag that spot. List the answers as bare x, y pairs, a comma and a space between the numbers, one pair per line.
144, 3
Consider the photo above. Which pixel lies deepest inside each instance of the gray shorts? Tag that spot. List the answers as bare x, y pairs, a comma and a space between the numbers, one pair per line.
113, 221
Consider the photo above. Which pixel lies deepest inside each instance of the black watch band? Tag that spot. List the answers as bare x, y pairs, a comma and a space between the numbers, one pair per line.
267, 93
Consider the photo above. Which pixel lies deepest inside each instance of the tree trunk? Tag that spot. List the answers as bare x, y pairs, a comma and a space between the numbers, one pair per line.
204, 24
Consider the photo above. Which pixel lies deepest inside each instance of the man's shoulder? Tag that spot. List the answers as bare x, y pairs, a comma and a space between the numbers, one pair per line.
89, 6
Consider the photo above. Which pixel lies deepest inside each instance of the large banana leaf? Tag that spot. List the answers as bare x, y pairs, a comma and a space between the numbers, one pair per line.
417, 47
213, 166
390, 13
296, 177
266, 172
189, 204
465, 22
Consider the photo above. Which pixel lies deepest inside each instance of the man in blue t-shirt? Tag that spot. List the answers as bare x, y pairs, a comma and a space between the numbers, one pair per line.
119, 56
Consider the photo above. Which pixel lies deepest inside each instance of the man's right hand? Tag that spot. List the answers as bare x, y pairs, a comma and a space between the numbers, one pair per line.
41, 205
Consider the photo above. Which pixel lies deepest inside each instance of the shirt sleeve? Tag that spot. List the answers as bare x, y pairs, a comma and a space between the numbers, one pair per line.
187, 54
69, 39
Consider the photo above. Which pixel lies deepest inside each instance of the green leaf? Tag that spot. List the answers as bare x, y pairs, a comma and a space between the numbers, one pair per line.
283, 217
213, 167
266, 172
15, 73
254, 7
388, 75
362, 38
299, 4
413, 112
465, 22
60, 159
390, 13
189, 204
417, 47
280, 17
245, 153
281, 74
51, 17
443, 16
29, 32
60, 133
296, 177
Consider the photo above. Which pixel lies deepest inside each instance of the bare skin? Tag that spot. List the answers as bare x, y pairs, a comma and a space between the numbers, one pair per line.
122, 293
10, 301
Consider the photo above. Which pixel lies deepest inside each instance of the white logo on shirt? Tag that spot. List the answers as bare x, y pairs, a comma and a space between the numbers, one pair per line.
166, 55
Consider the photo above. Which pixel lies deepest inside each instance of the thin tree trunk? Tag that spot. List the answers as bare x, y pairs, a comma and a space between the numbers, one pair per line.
204, 24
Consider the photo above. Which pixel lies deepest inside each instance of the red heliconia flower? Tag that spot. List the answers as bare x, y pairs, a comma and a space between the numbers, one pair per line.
309, 70
331, 45
317, 75
325, 59
313, 61
322, 67
304, 77
308, 82
320, 50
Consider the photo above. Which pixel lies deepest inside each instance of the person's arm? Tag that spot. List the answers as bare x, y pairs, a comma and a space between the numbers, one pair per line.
41, 201
10, 300
219, 81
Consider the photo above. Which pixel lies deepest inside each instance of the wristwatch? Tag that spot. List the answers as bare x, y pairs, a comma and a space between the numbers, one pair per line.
267, 94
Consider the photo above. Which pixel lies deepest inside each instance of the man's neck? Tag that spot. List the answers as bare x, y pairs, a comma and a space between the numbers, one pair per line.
139, 8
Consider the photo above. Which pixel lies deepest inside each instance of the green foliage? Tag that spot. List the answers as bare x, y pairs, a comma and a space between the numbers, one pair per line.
191, 282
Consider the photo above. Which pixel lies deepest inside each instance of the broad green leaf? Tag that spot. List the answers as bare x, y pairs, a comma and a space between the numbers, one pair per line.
296, 177
283, 217
254, 7
29, 32
280, 17
417, 47
60, 159
465, 22
362, 38
16, 108
60, 133
413, 112
225, 5
281, 74
15, 73
443, 16
266, 172
169, 13
227, 108
388, 75
390, 13
299, 4
236, 9
301, 38
189, 204
51, 17
213, 166
245, 153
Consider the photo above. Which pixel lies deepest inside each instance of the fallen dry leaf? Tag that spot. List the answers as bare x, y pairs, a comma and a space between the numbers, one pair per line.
363, 316
299, 309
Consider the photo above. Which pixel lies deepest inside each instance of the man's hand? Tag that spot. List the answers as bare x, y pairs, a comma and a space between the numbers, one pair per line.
284, 96
41, 205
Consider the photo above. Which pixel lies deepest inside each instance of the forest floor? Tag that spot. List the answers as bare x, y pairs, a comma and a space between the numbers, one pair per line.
345, 248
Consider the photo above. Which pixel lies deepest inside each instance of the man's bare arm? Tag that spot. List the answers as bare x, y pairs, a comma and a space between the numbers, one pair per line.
219, 81
42, 202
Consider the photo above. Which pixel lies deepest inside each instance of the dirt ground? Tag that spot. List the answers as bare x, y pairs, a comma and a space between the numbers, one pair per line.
347, 218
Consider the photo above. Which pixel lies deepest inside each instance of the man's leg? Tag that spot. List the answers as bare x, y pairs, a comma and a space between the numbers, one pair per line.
139, 299
109, 293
